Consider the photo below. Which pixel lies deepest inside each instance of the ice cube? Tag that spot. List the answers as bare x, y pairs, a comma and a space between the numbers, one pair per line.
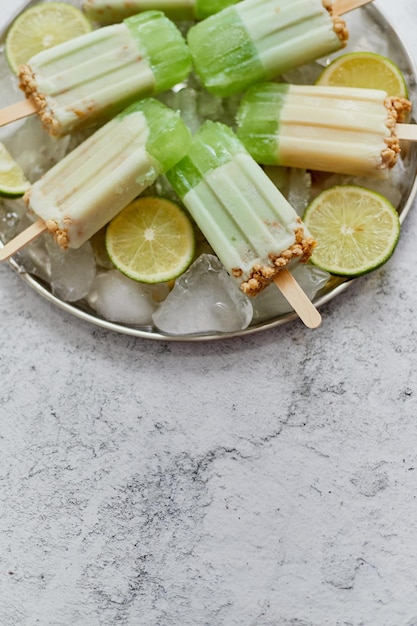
390, 186
34, 258
10, 94
205, 299
11, 213
35, 150
367, 34
304, 74
162, 187
210, 106
184, 100
117, 298
72, 271
271, 303
299, 187
293, 183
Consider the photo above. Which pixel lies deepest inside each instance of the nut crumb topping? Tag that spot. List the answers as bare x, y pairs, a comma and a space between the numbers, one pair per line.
60, 234
263, 275
339, 24
28, 84
397, 111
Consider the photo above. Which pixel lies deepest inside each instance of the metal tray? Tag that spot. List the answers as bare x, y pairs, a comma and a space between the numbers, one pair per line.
365, 24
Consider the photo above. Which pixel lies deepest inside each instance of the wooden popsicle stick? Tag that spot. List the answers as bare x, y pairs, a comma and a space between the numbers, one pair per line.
340, 7
20, 241
406, 131
16, 112
302, 305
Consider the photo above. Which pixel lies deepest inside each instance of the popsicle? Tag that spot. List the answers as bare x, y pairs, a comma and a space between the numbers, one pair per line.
94, 76
257, 40
110, 11
249, 224
85, 190
334, 129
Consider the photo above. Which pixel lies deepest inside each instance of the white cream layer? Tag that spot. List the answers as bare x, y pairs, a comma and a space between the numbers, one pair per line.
242, 214
333, 129
90, 73
287, 33
85, 190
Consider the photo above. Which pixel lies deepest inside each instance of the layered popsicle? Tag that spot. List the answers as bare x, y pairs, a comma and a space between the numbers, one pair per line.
94, 76
335, 129
111, 11
250, 225
85, 190
256, 40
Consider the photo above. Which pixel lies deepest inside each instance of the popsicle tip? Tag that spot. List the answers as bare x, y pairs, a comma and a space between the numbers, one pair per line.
313, 319
298, 299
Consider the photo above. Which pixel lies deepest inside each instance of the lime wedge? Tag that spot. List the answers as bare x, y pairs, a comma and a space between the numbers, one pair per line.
41, 27
151, 240
13, 182
356, 229
365, 69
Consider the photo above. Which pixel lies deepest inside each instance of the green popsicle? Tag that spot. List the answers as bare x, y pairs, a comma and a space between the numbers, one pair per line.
247, 221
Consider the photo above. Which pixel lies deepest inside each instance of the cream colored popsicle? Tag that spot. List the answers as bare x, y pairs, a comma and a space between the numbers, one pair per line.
85, 190
245, 218
334, 129
94, 76
256, 40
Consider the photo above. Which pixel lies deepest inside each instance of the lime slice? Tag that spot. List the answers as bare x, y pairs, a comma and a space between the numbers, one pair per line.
151, 240
356, 229
41, 27
365, 69
13, 182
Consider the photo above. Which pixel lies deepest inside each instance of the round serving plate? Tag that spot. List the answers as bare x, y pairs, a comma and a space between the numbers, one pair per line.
369, 30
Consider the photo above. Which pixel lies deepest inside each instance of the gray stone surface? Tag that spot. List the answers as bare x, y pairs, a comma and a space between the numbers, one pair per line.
262, 481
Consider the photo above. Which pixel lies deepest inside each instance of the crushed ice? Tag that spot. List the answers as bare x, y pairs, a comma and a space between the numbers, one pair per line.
35, 150
205, 299
72, 271
117, 298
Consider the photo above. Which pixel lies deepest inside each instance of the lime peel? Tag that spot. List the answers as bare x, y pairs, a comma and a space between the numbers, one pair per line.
357, 230
13, 182
152, 240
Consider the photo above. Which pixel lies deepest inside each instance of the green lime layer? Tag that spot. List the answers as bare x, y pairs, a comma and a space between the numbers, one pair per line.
169, 138
224, 54
258, 120
164, 47
205, 8
213, 145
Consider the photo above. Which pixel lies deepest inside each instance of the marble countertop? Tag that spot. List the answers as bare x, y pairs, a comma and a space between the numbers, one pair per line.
269, 480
